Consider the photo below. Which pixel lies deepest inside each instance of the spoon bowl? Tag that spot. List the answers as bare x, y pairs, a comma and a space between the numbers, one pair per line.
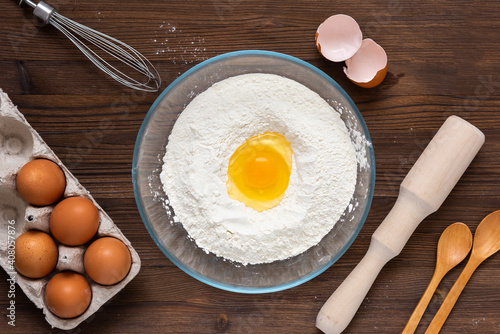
487, 237
486, 243
453, 246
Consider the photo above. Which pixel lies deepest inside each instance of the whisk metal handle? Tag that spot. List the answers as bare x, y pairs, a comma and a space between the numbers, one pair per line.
28, 2
41, 10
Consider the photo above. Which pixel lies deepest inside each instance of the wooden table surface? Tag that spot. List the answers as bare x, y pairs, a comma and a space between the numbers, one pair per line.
444, 59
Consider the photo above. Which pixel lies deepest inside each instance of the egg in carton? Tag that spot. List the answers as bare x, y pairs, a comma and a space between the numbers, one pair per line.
19, 144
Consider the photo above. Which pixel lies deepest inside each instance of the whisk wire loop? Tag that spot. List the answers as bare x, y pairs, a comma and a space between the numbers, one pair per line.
83, 37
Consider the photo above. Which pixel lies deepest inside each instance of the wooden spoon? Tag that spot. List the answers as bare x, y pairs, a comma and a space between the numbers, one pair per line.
453, 246
486, 243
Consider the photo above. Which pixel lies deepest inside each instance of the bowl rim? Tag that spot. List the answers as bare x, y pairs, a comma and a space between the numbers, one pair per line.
192, 273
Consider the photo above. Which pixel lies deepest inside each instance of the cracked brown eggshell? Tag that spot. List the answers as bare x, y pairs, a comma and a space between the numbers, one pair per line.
368, 67
338, 38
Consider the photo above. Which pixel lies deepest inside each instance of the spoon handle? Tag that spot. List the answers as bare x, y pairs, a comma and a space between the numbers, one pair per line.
452, 297
412, 324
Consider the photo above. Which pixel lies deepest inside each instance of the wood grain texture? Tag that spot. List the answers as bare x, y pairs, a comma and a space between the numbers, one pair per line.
444, 59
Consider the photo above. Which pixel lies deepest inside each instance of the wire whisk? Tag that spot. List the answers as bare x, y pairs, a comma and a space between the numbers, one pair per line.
83, 37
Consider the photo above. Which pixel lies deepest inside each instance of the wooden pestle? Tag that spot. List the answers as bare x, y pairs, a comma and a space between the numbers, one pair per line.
421, 193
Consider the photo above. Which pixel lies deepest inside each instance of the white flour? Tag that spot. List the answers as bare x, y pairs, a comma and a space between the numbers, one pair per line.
215, 124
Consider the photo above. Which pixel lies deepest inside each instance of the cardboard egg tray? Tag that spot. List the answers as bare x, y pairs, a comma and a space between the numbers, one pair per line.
20, 143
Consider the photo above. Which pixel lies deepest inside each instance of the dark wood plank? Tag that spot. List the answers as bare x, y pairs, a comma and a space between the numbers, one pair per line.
444, 59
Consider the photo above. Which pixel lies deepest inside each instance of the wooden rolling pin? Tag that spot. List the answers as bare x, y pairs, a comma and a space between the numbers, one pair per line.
422, 192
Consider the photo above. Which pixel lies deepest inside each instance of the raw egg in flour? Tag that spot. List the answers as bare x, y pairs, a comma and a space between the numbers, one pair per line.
259, 171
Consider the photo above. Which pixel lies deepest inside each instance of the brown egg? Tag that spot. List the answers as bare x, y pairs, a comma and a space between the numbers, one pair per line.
107, 261
74, 221
68, 294
36, 254
40, 182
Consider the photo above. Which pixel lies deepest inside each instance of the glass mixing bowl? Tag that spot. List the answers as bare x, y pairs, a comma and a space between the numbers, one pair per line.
173, 239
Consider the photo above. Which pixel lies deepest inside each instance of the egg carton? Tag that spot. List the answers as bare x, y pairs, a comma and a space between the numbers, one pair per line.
20, 143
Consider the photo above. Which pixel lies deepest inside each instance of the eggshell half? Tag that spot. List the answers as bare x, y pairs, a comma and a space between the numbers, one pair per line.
338, 38
368, 67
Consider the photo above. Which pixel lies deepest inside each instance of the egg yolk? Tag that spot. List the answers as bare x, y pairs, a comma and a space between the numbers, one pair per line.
259, 171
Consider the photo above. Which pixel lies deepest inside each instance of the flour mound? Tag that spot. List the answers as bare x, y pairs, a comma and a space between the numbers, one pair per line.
215, 124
